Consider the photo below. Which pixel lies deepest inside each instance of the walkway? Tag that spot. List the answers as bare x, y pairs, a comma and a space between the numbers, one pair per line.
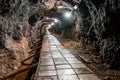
57, 63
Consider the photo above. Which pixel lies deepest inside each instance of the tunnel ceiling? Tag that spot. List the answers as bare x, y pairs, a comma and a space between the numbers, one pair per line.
5, 6
96, 2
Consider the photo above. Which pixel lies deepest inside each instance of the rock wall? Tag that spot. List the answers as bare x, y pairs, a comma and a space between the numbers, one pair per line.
15, 33
101, 26
98, 23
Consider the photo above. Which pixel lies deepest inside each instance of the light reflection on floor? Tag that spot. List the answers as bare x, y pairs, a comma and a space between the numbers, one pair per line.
57, 63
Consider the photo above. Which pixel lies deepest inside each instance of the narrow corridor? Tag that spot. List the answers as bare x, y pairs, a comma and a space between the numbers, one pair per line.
84, 43
57, 63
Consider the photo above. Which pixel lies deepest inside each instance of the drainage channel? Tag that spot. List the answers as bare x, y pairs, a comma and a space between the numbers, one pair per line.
31, 72
31, 67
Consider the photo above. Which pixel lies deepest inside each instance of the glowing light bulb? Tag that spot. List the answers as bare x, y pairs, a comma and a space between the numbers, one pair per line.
75, 7
68, 14
55, 20
52, 24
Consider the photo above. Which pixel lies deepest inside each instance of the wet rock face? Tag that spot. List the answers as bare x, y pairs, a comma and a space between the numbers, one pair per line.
4, 7
103, 21
33, 1
14, 31
11, 19
14, 16
97, 3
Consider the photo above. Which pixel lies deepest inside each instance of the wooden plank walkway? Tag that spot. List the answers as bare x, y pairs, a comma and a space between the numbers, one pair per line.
57, 63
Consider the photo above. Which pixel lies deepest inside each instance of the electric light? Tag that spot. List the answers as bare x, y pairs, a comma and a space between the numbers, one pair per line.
49, 26
75, 7
68, 14
55, 20
59, 7
52, 24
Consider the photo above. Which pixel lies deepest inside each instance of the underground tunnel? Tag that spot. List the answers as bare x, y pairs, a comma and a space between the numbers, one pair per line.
59, 40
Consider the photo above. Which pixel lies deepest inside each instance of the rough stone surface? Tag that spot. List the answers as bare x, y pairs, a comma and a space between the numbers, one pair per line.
97, 22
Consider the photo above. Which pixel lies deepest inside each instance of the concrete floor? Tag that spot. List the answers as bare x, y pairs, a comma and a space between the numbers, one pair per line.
57, 63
